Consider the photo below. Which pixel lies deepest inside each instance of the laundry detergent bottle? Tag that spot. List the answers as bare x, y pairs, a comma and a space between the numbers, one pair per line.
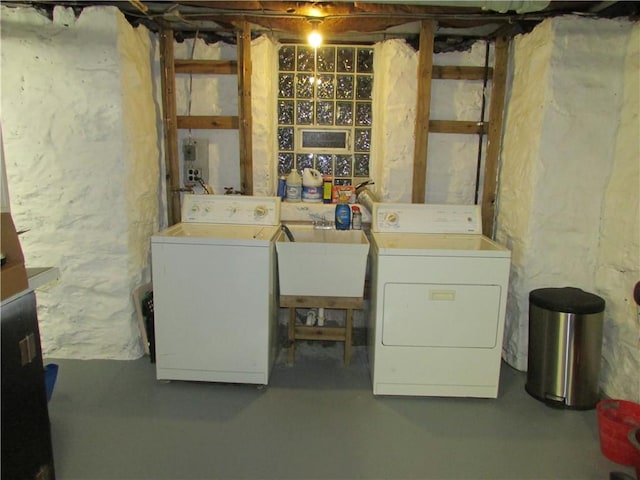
311, 185
343, 214
294, 186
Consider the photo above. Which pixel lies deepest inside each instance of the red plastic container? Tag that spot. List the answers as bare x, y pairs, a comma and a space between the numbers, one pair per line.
616, 418
634, 439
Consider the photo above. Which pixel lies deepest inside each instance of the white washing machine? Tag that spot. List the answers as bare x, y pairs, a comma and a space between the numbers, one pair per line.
214, 290
439, 291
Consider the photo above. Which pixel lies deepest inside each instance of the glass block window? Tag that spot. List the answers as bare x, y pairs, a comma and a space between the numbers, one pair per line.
328, 87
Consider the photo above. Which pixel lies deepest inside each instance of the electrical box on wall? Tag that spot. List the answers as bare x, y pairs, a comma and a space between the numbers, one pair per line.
195, 154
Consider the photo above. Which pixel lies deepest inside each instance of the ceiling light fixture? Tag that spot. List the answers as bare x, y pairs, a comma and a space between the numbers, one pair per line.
315, 38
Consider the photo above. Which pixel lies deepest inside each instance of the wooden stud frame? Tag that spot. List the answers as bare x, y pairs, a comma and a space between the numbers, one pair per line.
170, 67
494, 135
170, 125
425, 65
493, 128
244, 102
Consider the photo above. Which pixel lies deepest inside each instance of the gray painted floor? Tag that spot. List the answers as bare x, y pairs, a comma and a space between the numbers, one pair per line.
317, 419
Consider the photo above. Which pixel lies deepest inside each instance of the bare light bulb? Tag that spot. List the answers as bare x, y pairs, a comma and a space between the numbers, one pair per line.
314, 38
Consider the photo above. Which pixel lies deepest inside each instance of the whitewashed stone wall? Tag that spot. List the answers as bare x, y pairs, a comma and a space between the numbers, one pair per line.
618, 263
82, 163
452, 159
394, 112
568, 153
264, 91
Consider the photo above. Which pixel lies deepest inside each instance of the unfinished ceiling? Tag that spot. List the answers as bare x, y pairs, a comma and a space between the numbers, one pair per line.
353, 21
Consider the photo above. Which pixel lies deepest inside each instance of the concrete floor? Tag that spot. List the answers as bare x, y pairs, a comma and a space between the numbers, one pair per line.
317, 419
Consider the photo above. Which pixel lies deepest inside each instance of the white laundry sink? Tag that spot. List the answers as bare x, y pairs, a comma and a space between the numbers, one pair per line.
322, 263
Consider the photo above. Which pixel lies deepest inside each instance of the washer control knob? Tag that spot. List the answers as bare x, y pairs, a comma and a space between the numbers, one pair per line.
391, 218
260, 211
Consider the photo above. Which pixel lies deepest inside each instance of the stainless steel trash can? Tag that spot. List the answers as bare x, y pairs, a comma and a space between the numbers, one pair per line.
565, 344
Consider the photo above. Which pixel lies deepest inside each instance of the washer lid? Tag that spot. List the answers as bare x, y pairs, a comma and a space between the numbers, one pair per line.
437, 244
212, 234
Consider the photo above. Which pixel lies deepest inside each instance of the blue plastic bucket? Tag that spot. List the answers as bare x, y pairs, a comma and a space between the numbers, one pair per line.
50, 375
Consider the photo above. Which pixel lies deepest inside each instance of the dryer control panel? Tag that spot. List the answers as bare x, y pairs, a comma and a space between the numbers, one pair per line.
426, 218
231, 209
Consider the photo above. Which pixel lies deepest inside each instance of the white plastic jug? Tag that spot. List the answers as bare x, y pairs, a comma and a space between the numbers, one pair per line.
311, 185
294, 186
311, 178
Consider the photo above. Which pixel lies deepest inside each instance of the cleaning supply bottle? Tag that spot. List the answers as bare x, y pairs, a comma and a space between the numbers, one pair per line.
327, 188
282, 187
294, 186
356, 218
311, 185
343, 214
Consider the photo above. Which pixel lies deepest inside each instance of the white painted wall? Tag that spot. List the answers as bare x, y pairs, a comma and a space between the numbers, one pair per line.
570, 167
394, 110
618, 263
82, 161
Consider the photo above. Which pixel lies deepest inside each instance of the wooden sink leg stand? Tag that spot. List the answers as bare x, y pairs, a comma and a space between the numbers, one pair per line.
336, 334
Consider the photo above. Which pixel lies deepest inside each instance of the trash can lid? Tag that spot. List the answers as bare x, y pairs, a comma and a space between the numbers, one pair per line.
567, 300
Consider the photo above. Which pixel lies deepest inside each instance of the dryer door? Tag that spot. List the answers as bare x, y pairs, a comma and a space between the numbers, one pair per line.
440, 315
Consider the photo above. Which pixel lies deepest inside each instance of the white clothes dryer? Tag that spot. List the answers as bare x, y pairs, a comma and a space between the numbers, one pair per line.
214, 290
439, 290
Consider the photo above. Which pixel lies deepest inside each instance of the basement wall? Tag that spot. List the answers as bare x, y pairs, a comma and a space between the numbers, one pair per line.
451, 159
618, 263
568, 203
81, 148
80, 114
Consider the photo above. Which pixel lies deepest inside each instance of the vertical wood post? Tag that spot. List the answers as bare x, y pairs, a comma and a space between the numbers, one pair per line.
423, 108
244, 107
494, 136
167, 76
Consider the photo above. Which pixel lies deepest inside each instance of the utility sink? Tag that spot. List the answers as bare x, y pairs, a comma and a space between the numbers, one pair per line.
322, 263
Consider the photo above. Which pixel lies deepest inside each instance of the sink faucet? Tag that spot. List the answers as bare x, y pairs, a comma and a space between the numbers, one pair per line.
320, 222
287, 232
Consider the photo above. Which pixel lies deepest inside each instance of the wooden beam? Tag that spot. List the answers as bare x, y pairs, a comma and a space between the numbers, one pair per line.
457, 126
211, 67
320, 333
494, 135
207, 122
423, 107
168, 86
450, 72
295, 301
244, 104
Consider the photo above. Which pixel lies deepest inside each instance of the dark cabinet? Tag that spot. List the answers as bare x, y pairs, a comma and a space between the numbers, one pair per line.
26, 432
